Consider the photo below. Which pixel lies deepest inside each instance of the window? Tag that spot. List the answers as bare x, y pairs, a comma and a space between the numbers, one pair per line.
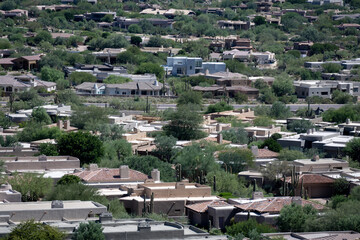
132, 92
179, 71
123, 93
143, 92
198, 64
190, 67
324, 93
356, 89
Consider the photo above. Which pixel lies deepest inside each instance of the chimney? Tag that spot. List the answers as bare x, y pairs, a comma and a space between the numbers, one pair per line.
124, 171
255, 150
296, 200
105, 217
93, 167
348, 121
60, 124
315, 158
156, 83
219, 138
57, 204
123, 115
155, 175
67, 124
42, 158
257, 195
218, 127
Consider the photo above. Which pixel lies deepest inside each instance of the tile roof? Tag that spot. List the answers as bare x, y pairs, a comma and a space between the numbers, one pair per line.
32, 58
266, 153
274, 205
7, 60
313, 178
203, 206
104, 175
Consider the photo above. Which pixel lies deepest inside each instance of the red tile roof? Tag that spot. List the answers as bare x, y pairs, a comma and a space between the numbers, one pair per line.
203, 206
104, 175
274, 205
266, 153
312, 178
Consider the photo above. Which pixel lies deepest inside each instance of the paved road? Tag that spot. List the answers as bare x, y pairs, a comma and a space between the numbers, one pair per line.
293, 107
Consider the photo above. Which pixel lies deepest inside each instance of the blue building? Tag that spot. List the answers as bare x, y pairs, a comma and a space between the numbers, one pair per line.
187, 66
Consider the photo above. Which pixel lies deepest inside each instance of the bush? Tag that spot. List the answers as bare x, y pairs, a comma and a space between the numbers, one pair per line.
246, 227
219, 107
341, 187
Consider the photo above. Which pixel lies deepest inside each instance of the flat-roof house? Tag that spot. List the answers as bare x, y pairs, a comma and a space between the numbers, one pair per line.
324, 89
190, 65
169, 198
123, 22
124, 89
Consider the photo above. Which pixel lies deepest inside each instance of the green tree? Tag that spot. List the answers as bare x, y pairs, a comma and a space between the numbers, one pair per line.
280, 111
48, 149
32, 186
117, 149
340, 97
4, 121
331, 67
263, 121
51, 74
189, 97
237, 159
67, 97
80, 77
283, 85
150, 67
272, 144
5, 44
90, 230
196, 162
108, 18
300, 126
83, 145
241, 98
135, 40
134, 28
341, 187
36, 131
219, 107
157, 41
246, 227
293, 217
184, 123
40, 115
146, 164
68, 179
35, 230
259, 20
116, 80
43, 36
290, 155
89, 117
267, 96
236, 135
352, 149
165, 147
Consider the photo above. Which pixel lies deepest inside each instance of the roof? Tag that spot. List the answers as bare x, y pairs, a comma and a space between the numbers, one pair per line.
266, 153
203, 206
7, 60
103, 175
312, 178
274, 205
32, 58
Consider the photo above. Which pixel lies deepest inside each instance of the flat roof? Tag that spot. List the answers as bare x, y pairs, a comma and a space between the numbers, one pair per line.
320, 161
44, 205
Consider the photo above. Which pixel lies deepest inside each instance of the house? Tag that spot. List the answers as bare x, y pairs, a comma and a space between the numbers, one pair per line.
316, 165
345, 26
171, 13
262, 133
218, 213
124, 22
15, 13
314, 235
249, 56
263, 156
190, 65
324, 89
22, 63
95, 16
101, 72
313, 185
303, 47
111, 177
10, 84
171, 51
216, 90
240, 114
329, 142
322, 2
236, 25
55, 211
124, 89
349, 127
169, 198
109, 55
41, 163
243, 44
266, 210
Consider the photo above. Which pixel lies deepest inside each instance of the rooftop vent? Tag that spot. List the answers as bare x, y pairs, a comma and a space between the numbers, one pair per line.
57, 204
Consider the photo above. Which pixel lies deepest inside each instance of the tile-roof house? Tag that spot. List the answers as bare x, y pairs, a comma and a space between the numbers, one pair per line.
11, 83
315, 185
114, 177
219, 211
